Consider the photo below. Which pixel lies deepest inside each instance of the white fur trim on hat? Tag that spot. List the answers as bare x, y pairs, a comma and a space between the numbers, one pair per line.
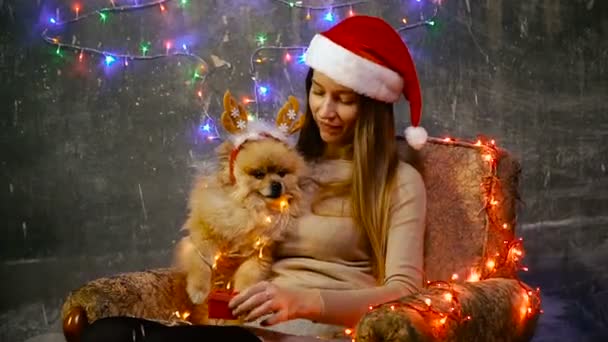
353, 71
254, 131
416, 136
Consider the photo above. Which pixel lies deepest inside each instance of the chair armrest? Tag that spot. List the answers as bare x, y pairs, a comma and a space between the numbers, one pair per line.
496, 309
155, 294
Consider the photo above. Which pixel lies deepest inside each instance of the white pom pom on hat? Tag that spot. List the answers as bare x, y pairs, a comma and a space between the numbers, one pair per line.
367, 55
416, 136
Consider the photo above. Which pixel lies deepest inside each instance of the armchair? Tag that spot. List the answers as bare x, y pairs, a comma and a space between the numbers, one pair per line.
471, 262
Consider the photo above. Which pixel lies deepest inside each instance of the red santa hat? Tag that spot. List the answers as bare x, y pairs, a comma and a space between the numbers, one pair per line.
367, 55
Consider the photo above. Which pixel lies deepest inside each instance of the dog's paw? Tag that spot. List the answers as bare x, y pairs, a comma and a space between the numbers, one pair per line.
250, 272
198, 286
196, 297
197, 294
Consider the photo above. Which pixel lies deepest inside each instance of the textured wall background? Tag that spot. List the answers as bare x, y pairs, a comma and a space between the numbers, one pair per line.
96, 162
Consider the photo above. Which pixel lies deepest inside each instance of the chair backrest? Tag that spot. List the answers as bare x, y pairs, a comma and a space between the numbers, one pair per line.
471, 209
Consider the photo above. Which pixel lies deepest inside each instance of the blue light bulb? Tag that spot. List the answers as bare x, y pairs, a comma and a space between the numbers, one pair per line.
110, 60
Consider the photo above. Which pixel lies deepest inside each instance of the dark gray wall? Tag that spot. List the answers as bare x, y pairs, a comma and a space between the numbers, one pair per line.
96, 162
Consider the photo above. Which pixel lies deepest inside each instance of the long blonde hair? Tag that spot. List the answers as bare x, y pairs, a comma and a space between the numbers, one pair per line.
375, 161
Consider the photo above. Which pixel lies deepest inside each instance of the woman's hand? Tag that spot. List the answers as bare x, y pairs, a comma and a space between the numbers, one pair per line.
281, 303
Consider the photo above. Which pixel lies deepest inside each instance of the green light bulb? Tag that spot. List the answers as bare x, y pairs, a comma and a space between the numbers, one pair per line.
145, 47
261, 38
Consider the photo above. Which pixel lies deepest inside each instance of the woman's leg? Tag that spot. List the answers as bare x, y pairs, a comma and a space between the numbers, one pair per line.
128, 329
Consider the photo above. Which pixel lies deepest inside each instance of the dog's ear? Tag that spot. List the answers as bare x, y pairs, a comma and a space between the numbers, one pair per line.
234, 117
289, 119
223, 152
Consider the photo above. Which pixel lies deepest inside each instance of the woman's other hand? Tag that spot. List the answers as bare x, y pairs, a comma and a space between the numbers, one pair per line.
280, 303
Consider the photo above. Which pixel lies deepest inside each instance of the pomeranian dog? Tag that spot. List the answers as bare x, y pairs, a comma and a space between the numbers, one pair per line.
241, 209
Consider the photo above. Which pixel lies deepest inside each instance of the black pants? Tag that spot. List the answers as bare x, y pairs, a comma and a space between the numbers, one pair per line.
127, 329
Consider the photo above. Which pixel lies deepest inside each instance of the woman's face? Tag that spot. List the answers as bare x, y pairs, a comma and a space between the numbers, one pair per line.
334, 108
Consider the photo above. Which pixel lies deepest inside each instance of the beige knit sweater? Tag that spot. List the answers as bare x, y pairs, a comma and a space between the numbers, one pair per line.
328, 252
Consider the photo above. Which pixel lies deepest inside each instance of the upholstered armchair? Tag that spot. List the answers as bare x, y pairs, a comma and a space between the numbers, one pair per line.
472, 259
471, 255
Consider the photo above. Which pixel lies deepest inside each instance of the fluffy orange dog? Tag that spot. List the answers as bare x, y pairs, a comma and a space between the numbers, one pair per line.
238, 212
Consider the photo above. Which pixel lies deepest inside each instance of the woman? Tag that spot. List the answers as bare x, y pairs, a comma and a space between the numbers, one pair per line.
361, 243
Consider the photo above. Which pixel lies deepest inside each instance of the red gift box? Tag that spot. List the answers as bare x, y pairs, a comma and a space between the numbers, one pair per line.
218, 304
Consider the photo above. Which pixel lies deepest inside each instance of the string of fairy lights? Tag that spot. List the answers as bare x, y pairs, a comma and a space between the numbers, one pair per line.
171, 48
512, 252
439, 304
297, 54
504, 260
176, 48
302, 5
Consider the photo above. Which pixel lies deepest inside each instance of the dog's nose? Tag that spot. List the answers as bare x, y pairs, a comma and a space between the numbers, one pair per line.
276, 189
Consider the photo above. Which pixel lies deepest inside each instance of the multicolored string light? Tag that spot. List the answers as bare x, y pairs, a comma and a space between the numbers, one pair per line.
422, 22
510, 257
291, 54
176, 48
329, 10
170, 48
297, 54
301, 4
207, 127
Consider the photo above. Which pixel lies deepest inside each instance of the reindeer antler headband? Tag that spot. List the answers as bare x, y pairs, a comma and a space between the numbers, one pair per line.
235, 121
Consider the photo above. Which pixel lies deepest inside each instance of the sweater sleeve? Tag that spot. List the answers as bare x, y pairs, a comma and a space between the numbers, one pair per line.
404, 257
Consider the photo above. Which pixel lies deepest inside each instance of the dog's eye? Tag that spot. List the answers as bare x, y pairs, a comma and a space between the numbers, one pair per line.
282, 173
258, 174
